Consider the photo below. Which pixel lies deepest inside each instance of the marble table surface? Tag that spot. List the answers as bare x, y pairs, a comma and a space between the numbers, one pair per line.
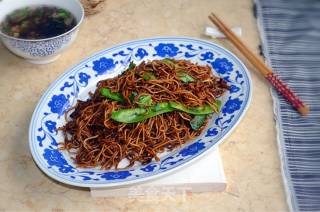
250, 154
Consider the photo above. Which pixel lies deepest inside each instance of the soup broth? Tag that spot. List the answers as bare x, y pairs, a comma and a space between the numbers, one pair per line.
38, 22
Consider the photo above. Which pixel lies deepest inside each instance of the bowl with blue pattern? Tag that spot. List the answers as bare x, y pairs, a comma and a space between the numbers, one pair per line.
41, 51
76, 82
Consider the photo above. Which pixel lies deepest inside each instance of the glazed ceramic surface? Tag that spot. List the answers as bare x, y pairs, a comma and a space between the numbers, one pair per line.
76, 82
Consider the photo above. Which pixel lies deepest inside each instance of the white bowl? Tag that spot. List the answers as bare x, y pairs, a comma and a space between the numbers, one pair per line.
41, 51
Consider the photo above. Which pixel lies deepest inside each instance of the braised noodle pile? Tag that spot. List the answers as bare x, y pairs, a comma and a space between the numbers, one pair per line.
154, 107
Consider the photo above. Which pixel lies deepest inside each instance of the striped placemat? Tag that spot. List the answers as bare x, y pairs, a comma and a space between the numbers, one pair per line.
290, 32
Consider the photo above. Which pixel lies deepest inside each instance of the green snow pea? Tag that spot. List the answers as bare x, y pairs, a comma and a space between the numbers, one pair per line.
200, 110
141, 114
197, 121
169, 62
145, 100
149, 76
184, 77
112, 95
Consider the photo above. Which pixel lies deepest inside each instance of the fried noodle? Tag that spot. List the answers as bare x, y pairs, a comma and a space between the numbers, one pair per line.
95, 140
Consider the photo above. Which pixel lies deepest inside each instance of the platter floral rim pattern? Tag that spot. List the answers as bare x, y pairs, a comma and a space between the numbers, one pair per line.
70, 86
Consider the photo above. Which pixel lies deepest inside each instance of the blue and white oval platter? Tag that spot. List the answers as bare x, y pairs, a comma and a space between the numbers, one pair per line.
79, 80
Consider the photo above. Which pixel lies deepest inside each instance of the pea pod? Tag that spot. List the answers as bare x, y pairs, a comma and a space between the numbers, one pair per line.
184, 77
169, 62
200, 110
149, 76
145, 100
217, 105
197, 121
129, 115
112, 95
140, 114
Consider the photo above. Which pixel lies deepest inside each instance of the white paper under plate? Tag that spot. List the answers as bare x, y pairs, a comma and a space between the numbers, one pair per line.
205, 175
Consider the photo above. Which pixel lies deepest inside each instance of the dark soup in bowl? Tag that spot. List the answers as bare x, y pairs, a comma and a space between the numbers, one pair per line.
38, 22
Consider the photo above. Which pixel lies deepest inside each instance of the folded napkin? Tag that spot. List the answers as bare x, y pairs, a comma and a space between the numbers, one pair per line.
290, 32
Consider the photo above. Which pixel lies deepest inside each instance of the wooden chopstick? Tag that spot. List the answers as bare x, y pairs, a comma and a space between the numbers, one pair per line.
281, 87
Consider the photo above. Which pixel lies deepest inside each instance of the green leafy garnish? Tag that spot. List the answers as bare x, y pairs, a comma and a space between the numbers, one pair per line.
20, 14
63, 15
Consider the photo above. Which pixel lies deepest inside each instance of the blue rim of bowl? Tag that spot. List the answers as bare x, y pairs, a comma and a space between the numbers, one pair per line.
151, 176
51, 38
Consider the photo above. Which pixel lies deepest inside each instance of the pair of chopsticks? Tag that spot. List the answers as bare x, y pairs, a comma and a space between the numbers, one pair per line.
281, 87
